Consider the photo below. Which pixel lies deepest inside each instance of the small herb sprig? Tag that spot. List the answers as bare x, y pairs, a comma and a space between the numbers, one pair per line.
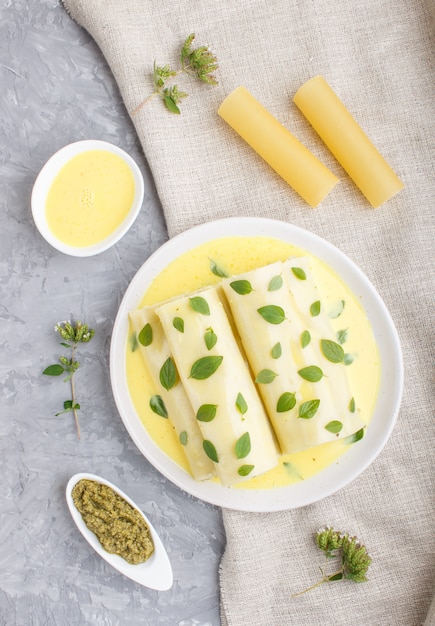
198, 62
353, 556
74, 334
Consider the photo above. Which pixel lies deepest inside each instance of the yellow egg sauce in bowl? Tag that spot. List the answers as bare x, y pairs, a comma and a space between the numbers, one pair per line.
86, 197
193, 261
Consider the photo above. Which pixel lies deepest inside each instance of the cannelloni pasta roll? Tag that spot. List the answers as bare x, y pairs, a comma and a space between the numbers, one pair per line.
235, 428
326, 348
157, 357
305, 407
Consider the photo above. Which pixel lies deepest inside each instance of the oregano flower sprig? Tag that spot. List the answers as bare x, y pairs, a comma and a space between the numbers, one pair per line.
198, 62
353, 556
74, 334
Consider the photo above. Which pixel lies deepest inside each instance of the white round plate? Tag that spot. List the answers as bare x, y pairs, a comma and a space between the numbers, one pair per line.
45, 179
351, 463
155, 573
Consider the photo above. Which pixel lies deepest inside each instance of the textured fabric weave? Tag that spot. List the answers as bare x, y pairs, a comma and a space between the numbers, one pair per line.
378, 57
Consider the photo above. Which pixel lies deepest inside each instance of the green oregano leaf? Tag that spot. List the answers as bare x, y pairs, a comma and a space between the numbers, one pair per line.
355, 436
312, 373
243, 446
272, 313
299, 273
170, 104
352, 405
338, 576
178, 324
158, 406
54, 370
241, 404
337, 309
206, 412
134, 343
286, 402
210, 338
68, 406
145, 336
200, 305
334, 427
276, 351
308, 409
206, 366
332, 351
216, 270
242, 287
305, 338
245, 470
348, 359
265, 376
315, 308
342, 336
275, 283
183, 438
168, 374
210, 450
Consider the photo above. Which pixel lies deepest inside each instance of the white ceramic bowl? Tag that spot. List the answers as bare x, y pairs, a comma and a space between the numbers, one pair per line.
155, 573
352, 462
45, 179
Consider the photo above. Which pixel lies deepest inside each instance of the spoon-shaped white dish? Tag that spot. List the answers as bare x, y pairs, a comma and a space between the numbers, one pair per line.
155, 573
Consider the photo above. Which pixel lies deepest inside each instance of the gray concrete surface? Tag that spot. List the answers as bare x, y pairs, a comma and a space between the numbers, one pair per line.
56, 88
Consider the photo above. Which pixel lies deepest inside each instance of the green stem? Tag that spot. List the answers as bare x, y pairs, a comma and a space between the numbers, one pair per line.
324, 579
317, 584
73, 398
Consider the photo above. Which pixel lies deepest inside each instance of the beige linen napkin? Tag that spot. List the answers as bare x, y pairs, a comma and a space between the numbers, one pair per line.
377, 55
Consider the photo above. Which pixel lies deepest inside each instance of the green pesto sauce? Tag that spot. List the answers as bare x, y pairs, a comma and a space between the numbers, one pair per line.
120, 528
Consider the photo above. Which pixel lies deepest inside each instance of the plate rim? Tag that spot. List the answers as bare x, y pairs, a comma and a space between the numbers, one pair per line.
349, 465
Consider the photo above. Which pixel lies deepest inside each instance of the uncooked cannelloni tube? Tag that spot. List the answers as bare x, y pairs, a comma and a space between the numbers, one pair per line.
347, 141
301, 401
277, 146
235, 428
157, 357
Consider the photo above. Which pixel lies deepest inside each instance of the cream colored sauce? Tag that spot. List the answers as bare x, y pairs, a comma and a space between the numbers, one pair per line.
89, 198
235, 255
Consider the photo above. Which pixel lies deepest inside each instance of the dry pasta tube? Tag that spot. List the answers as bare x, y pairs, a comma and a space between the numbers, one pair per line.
347, 141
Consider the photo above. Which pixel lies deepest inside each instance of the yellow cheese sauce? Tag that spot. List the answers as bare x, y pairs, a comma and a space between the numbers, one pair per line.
236, 255
89, 198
